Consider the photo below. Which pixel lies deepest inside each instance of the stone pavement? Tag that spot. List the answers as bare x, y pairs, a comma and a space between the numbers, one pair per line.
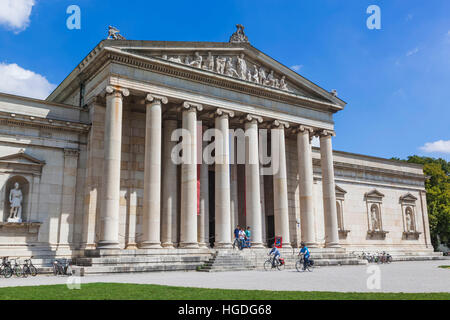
413, 276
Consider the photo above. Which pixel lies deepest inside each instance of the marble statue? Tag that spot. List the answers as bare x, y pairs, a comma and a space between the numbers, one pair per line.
374, 218
15, 200
229, 69
283, 84
409, 221
113, 33
241, 67
220, 65
177, 59
209, 62
239, 36
262, 75
255, 76
270, 81
197, 62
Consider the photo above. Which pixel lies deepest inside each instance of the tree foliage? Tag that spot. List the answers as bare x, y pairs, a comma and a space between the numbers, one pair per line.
438, 197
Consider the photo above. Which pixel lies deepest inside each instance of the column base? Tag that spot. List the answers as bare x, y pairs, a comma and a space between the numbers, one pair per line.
222, 245
287, 246
167, 245
107, 244
131, 246
257, 245
203, 245
332, 245
311, 245
150, 245
187, 245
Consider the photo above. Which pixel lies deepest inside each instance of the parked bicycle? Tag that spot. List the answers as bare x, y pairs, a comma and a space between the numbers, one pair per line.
28, 268
5, 268
272, 263
300, 264
62, 267
17, 269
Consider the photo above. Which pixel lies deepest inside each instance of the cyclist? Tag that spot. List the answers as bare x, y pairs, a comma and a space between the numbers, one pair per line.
305, 251
276, 254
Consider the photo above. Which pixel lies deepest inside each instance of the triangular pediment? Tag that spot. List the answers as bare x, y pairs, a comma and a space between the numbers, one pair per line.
21, 158
374, 194
238, 61
408, 198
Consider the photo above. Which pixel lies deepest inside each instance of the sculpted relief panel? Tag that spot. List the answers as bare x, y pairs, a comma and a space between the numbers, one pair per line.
232, 66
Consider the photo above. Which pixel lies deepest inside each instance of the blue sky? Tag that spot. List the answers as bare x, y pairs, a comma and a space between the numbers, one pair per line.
396, 80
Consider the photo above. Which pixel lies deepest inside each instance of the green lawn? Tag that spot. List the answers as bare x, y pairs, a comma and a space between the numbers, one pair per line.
444, 267
108, 291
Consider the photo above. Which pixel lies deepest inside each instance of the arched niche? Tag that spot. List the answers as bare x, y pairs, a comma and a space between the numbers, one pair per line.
24, 186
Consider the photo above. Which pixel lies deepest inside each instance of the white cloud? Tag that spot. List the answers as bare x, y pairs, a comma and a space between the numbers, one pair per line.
15, 14
19, 81
411, 52
297, 67
441, 146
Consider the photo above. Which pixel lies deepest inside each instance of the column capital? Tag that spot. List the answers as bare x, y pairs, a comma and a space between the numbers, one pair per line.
192, 106
302, 128
69, 152
252, 118
153, 98
220, 112
325, 133
280, 124
116, 90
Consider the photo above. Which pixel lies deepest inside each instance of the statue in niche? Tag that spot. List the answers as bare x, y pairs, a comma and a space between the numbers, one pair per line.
220, 65
242, 67
249, 75
209, 62
197, 62
374, 218
283, 84
229, 69
15, 200
262, 75
409, 221
270, 81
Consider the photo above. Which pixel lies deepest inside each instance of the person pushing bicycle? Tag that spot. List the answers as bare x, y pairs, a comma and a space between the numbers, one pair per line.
276, 254
305, 252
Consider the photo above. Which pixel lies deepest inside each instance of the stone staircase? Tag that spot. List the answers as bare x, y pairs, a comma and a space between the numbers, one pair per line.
142, 260
223, 260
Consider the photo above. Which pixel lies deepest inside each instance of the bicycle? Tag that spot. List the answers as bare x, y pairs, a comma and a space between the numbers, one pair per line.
28, 268
5, 268
300, 262
62, 267
17, 269
271, 263
384, 258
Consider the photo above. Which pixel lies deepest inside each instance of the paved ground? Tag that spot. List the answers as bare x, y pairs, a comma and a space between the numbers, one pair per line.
418, 276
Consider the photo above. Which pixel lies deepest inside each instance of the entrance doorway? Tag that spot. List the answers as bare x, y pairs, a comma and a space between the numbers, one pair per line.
212, 215
270, 230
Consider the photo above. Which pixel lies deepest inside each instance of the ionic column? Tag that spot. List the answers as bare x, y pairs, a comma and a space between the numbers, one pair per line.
328, 190
169, 186
305, 171
252, 183
152, 173
234, 213
203, 218
109, 234
188, 219
222, 180
280, 192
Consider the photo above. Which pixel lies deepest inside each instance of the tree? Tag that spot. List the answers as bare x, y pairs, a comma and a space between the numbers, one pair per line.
438, 197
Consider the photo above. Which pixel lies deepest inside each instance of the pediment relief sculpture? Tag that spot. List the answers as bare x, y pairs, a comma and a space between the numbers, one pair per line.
235, 66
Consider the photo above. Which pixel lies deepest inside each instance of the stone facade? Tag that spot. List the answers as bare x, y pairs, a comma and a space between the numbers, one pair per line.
93, 159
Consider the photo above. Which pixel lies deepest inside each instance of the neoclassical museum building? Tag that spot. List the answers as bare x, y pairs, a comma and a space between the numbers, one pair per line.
92, 166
